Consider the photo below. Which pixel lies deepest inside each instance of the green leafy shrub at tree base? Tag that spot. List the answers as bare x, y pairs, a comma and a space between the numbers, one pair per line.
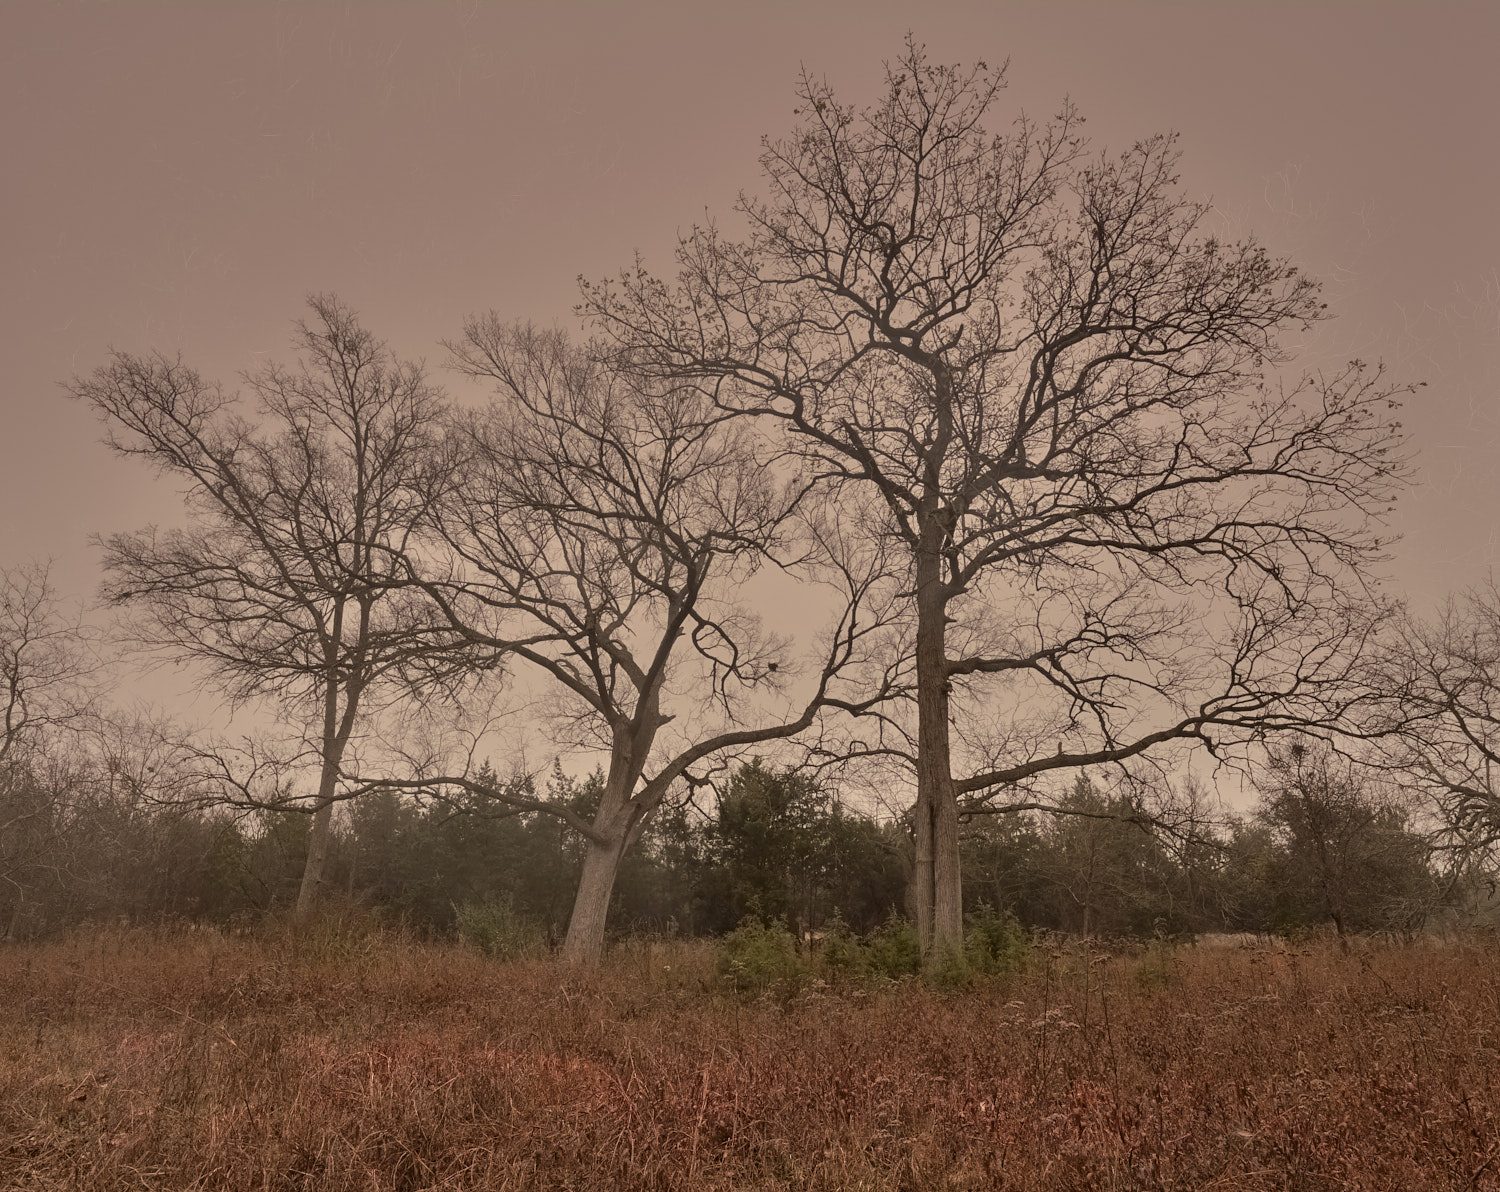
995, 943
894, 950
494, 926
760, 958
845, 957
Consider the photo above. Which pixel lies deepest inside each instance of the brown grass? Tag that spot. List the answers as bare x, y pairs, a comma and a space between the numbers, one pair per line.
141, 1060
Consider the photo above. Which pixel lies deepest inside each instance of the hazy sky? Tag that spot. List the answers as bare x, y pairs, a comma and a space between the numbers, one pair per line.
180, 175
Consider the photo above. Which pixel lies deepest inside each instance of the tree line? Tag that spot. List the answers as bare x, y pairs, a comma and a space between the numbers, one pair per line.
775, 848
1027, 438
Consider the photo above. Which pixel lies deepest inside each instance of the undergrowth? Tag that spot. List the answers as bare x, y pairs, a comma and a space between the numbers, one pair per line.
220, 1062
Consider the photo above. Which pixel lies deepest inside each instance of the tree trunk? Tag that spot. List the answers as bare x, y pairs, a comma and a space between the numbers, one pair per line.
584, 943
1334, 907
947, 876
309, 894
919, 879
335, 739
315, 868
617, 825
937, 889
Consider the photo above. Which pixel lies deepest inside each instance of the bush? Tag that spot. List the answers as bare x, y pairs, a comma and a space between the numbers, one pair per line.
949, 970
494, 926
894, 950
1157, 966
995, 943
761, 957
845, 957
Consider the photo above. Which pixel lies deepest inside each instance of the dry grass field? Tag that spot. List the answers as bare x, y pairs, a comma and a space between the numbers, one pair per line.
196, 1060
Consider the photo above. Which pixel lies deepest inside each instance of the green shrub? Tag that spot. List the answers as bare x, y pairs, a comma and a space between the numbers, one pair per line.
995, 943
894, 951
761, 957
1156, 967
494, 927
756, 957
949, 969
845, 957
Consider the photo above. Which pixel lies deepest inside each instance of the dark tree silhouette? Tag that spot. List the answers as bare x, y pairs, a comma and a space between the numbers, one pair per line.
600, 538
1441, 679
1125, 521
49, 672
279, 583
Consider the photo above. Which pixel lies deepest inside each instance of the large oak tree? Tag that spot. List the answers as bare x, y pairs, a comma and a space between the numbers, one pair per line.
1127, 521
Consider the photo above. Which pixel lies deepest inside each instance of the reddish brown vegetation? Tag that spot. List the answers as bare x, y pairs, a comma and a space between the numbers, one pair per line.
213, 1063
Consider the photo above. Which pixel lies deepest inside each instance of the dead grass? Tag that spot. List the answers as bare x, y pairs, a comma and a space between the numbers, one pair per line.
153, 1060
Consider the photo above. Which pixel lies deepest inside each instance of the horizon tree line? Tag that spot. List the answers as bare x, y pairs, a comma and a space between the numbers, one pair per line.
1327, 851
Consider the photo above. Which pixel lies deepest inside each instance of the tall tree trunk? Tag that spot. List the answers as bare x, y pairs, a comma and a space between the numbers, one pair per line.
315, 867
617, 823
919, 879
947, 875
937, 889
584, 942
336, 730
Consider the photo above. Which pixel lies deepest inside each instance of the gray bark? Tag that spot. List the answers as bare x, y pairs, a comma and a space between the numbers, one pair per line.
309, 894
937, 890
584, 942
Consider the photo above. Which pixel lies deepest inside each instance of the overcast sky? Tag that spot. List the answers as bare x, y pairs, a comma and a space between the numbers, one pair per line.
179, 176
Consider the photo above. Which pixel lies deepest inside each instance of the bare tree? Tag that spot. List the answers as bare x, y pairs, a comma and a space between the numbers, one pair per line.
1441, 679
601, 537
1125, 523
49, 692
279, 585
48, 665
